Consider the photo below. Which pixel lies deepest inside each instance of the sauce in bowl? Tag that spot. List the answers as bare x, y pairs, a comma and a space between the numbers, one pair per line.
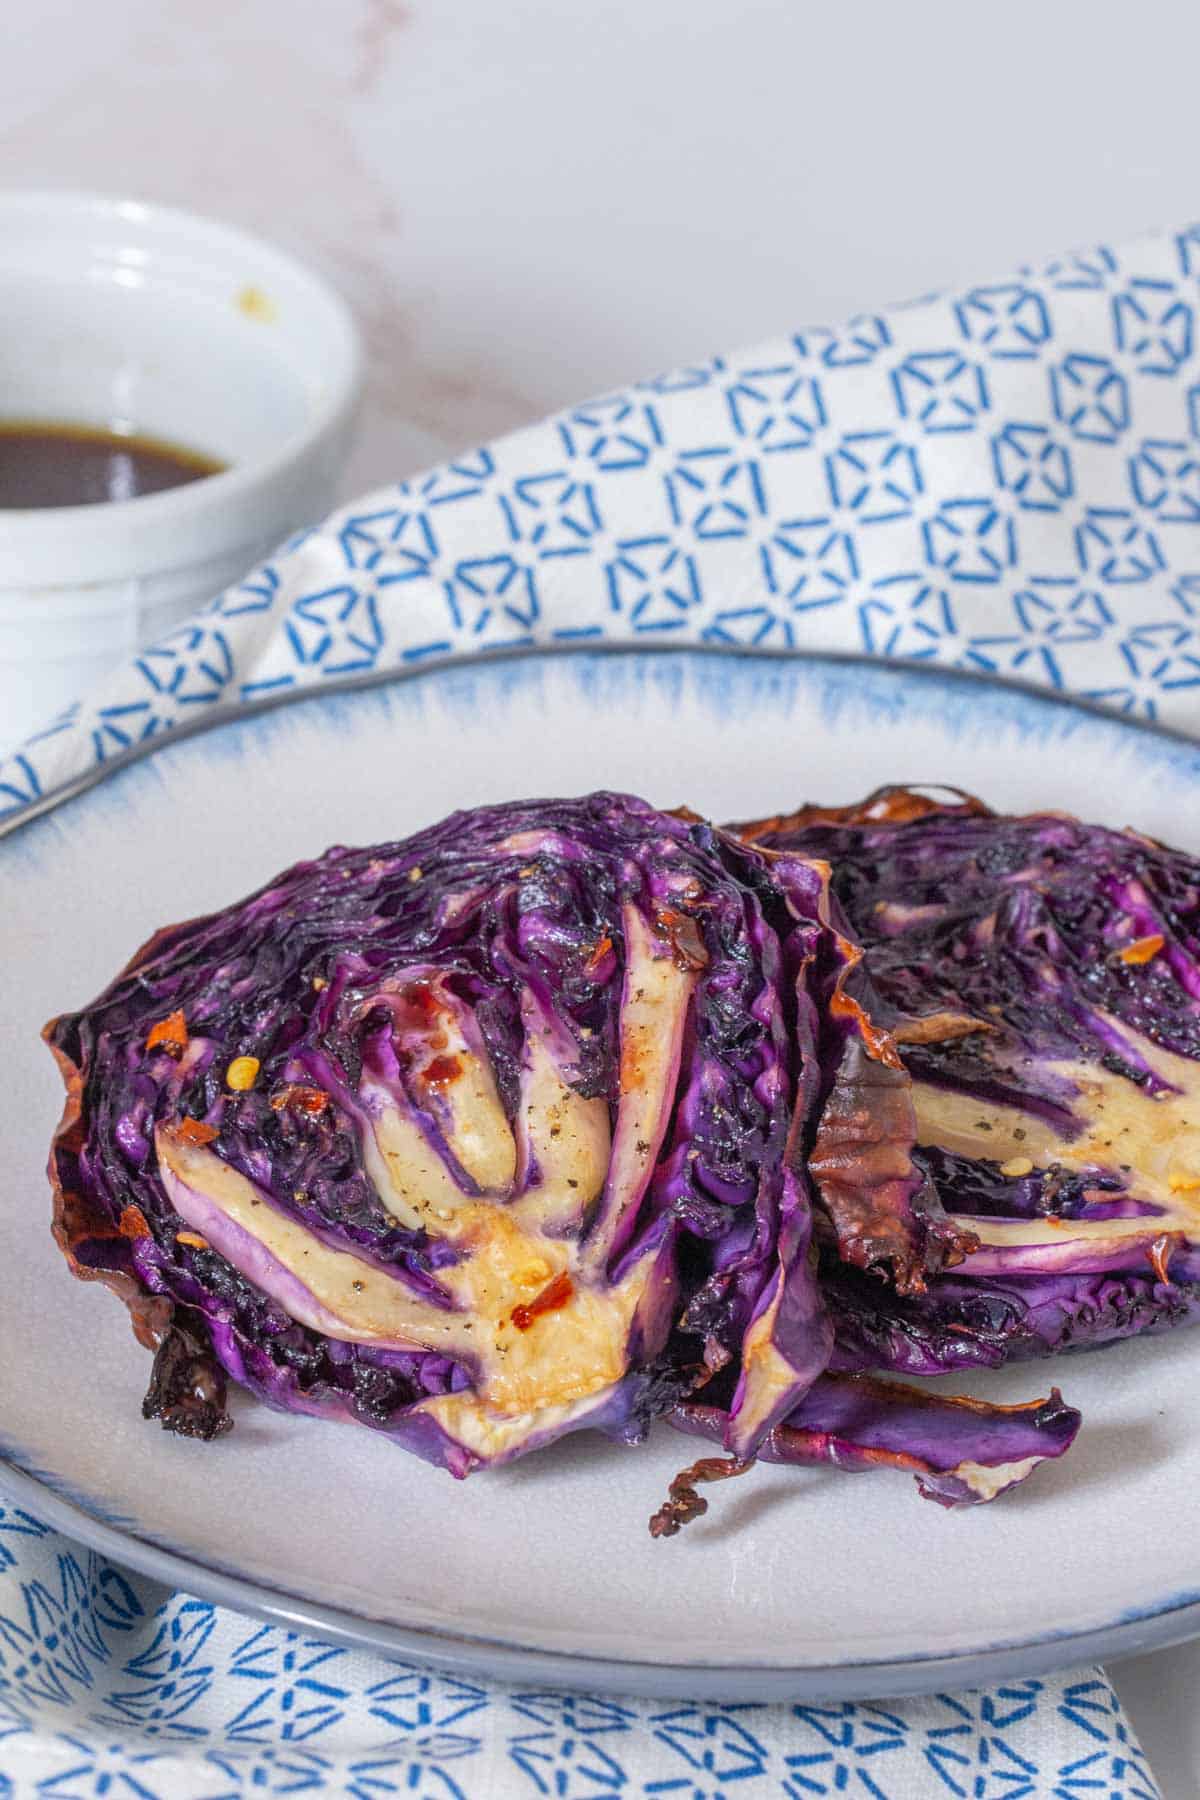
79, 465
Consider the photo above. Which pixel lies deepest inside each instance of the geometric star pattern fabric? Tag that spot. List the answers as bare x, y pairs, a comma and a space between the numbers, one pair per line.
111, 1685
1004, 479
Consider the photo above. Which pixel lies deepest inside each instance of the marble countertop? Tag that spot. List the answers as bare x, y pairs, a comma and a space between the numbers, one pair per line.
532, 202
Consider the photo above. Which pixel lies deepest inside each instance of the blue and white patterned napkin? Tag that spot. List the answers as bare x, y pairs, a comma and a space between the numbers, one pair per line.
111, 1685
1005, 479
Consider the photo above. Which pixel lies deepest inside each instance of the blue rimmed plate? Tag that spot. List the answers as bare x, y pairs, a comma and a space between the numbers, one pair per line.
801, 1583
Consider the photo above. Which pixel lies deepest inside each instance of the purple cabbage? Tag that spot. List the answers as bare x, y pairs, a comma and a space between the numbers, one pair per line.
564, 1114
475, 1138
962, 1323
960, 1451
1041, 977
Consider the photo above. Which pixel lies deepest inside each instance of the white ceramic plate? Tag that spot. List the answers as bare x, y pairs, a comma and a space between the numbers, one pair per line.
798, 1583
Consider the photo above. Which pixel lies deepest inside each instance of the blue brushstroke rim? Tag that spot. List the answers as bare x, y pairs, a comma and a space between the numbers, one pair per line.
933, 674
1173, 1620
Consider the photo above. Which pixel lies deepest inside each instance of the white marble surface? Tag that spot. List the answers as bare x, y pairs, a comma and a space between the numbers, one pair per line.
530, 200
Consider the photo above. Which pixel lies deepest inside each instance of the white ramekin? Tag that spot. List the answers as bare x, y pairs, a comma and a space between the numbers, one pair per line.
112, 311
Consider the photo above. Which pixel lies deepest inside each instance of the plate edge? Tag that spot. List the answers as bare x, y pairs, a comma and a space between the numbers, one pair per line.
223, 713
1156, 1628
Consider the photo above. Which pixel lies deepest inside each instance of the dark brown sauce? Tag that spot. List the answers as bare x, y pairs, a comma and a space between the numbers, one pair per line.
78, 465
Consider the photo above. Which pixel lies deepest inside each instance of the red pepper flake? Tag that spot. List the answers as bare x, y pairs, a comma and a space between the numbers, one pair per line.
133, 1223
169, 1034
193, 1239
299, 1098
1143, 949
242, 1074
441, 1071
422, 1001
556, 1293
195, 1131
1160, 1253
600, 950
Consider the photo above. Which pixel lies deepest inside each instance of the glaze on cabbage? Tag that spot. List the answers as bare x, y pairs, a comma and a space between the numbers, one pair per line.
1042, 979
513, 1154
522, 1125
